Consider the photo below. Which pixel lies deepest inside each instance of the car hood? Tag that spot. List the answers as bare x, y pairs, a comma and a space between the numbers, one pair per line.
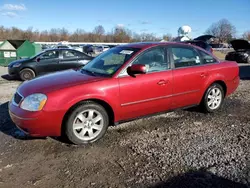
56, 81
240, 44
18, 61
204, 38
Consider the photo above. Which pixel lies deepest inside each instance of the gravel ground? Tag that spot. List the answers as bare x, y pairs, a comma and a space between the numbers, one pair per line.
177, 149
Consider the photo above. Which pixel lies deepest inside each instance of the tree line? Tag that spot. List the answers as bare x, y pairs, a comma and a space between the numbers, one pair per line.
118, 34
223, 30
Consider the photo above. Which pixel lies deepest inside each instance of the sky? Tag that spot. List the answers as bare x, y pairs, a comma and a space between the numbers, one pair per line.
157, 16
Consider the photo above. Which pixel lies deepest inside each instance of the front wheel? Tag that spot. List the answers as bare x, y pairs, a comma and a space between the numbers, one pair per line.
87, 123
213, 98
27, 74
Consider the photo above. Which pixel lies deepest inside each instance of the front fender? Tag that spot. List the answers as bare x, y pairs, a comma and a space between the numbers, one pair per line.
65, 99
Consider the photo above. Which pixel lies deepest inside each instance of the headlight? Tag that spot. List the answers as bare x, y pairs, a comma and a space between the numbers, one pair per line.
17, 65
34, 102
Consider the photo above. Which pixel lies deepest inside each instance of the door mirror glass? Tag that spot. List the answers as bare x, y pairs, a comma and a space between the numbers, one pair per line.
38, 59
136, 69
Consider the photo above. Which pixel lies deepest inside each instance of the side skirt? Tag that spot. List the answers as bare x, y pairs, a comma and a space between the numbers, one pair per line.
154, 114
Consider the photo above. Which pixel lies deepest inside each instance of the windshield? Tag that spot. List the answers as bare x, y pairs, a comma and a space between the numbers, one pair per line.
110, 61
32, 57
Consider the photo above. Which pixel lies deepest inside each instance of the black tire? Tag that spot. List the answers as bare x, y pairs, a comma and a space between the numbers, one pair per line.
205, 101
87, 105
27, 74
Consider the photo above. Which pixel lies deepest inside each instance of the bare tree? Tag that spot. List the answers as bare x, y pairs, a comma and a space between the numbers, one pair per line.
246, 35
120, 34
44, 36
167, 37
28, 34
99, 30
149, 37
53, 35
78, 35
63, 34
223, 30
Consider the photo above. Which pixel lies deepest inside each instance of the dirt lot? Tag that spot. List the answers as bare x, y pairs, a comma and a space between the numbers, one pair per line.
178, 149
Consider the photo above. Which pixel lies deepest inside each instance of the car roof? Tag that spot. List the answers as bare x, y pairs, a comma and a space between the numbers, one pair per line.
60, 49
143, 45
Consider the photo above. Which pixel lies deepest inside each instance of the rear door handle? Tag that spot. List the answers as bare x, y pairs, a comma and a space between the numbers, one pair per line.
162, 82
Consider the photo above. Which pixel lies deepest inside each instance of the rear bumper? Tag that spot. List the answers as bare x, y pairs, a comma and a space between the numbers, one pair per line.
232, 85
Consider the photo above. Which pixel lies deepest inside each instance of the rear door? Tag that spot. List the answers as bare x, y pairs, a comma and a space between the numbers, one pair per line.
189, 75
69, 59
83, 58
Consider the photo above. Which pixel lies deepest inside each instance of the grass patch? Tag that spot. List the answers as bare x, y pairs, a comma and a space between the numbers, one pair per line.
219, 54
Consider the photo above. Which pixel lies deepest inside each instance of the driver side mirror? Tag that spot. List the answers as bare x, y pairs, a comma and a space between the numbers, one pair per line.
136, 69
38, 59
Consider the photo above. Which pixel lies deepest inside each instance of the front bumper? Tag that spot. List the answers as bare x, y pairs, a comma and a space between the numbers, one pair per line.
13, 71
37, 124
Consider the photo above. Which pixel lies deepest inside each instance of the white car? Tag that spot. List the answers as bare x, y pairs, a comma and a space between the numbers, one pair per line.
105, 48
76, 47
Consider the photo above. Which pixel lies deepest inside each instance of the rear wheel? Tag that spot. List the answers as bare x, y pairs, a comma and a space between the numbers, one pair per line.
87, 123
27, 74
213, 98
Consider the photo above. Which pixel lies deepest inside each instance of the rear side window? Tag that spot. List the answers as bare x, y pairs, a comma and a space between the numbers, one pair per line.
68, 54
185, 57
207, 59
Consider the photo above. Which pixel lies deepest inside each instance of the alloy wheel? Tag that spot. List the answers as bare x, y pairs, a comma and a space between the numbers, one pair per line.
88, 124
214, 98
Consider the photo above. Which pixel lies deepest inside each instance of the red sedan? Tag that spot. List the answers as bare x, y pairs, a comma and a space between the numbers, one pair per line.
122, 84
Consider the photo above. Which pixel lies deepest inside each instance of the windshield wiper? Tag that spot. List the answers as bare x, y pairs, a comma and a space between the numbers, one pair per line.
90, 72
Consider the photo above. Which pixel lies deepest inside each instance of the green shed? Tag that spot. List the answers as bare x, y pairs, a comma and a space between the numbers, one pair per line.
11, 50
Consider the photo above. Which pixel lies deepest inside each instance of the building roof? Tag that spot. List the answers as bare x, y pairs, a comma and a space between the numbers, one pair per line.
16, 43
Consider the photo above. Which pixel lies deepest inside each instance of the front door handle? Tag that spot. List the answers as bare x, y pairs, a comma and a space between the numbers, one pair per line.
162, 82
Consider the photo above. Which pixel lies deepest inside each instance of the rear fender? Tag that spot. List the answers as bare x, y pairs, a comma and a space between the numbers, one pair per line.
211, 80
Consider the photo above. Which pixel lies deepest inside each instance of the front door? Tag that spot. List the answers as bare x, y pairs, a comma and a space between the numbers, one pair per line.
48, 62
147, 93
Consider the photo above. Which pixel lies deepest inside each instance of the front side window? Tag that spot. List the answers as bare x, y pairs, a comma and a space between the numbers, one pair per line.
49, 55
110, 61
185, 57
207, 59
154, 60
